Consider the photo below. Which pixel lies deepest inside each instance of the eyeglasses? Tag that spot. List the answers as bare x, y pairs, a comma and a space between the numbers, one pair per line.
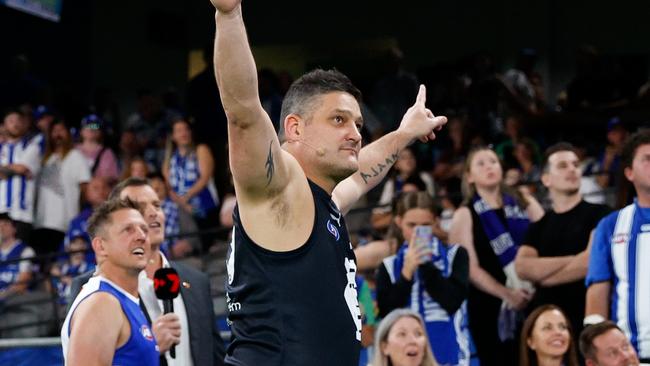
92, 126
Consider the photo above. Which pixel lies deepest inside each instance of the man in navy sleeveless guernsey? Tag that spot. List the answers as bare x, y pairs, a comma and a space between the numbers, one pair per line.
291, 289
618, 277
105, 324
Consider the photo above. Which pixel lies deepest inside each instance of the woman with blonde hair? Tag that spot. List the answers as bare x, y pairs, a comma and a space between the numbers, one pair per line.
401, 340
491, 224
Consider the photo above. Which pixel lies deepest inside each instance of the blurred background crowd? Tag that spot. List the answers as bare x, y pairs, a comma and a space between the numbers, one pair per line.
81, 115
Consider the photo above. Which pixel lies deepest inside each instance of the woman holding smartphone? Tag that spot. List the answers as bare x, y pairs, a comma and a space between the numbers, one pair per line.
429, 277
490, 224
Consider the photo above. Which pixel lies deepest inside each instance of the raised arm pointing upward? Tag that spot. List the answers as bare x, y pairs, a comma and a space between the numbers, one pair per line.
291, 289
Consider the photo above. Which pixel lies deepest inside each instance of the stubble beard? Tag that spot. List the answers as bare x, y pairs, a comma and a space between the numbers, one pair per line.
571, 192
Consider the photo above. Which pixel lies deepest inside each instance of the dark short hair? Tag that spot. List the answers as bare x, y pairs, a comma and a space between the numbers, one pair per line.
415, 180
560, 146
12, 110
299, 97
5, 217
154, 175
590, 333
128, 182
631, 145
102, 214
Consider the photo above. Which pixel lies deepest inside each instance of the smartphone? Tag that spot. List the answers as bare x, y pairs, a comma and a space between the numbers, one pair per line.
424, 238
423, 235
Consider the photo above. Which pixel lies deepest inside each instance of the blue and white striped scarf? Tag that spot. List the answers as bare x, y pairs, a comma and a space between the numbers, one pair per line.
504, 240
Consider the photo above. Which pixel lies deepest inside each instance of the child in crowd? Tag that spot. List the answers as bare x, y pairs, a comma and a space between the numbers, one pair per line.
76, 262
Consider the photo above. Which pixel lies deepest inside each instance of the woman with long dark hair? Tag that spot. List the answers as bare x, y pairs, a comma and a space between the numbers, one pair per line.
189, 170
547, 339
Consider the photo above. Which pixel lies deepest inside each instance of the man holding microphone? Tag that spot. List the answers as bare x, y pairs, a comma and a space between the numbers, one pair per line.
105, 324
191, 327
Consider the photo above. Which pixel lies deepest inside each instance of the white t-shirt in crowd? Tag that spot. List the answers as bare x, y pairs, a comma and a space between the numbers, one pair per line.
17, 191
58, 191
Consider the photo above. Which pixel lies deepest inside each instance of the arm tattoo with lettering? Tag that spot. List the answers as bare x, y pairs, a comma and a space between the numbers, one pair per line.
380, 167
270, 165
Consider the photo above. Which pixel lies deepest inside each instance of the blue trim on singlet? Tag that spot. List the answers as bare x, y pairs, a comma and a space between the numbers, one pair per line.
631, 290
23, 180
140, 349
10, 180
23, 190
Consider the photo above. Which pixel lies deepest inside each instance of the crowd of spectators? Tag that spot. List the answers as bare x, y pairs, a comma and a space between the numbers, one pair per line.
482, 186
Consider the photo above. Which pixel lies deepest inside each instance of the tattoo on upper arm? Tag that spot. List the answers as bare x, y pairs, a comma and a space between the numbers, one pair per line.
270, 165
380, 167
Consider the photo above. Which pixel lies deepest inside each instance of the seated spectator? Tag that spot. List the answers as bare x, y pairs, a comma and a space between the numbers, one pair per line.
43, 118
589, 187
431, 279
514, 132
15, 276
3, 134
605, 344
405, 168
527, 163
136, 167
546, 339
76, 263
151, 124
97, 191
609, 158
172, 246
129, 149
512, 177
450, 196
449, 162
520, 85
100, 158
402, 341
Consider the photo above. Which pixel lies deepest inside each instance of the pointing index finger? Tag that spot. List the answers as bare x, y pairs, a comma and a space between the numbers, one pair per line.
422, 95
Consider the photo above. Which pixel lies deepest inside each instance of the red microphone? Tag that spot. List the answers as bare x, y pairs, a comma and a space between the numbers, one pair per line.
167, 285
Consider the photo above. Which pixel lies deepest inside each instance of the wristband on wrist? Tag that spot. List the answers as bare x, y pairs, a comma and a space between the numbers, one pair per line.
593, 319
